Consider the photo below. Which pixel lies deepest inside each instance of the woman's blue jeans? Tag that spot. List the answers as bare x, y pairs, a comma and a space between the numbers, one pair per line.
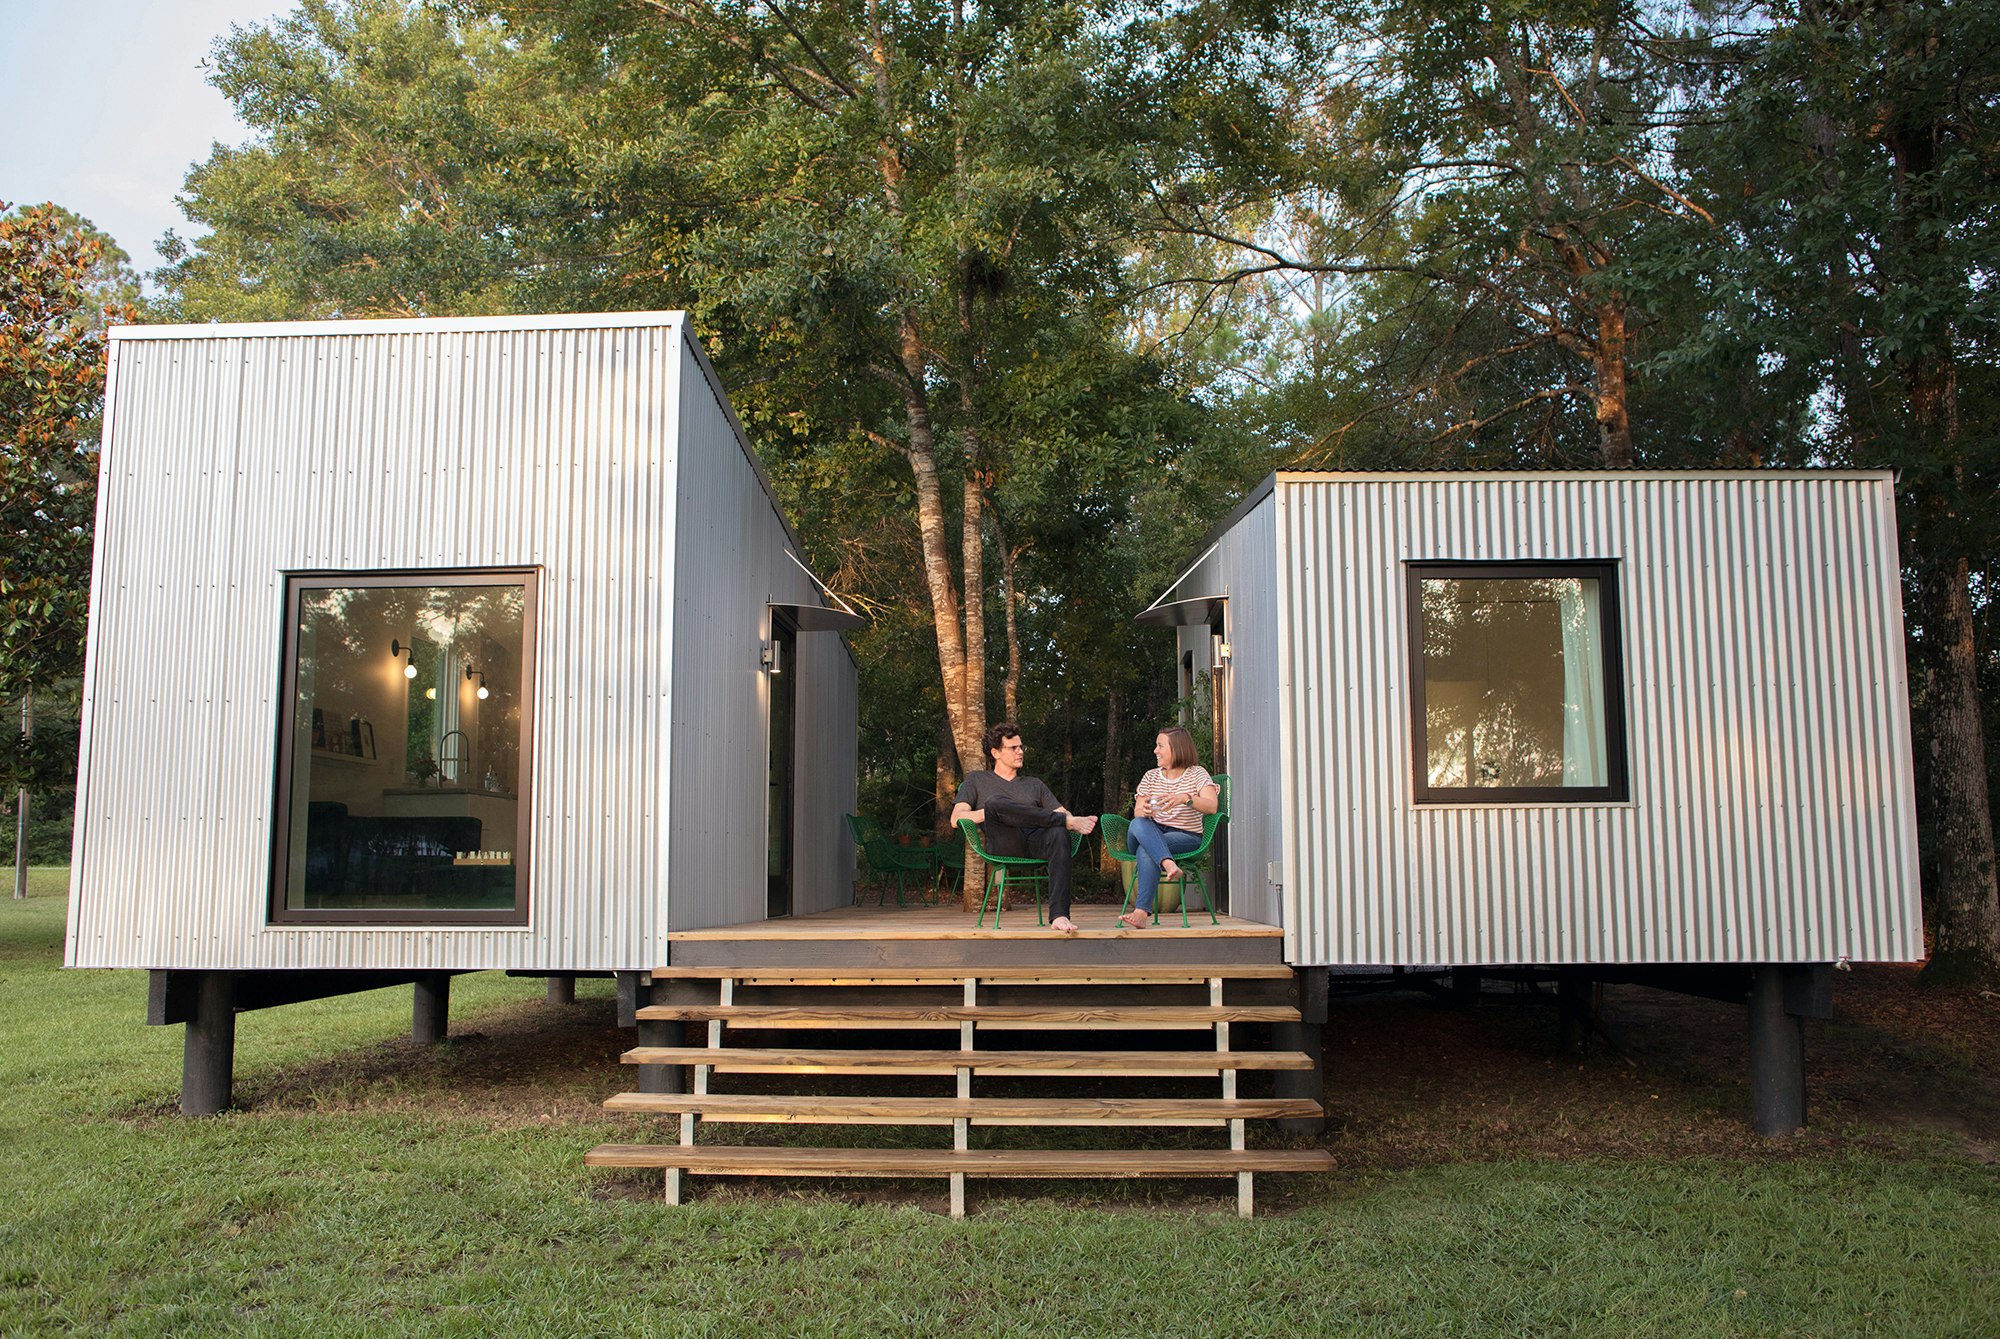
1153, 844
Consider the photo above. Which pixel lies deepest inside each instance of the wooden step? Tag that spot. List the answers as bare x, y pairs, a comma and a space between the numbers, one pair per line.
1035, 1164
996, 1016
750, 1108
748, 1060
1164, 974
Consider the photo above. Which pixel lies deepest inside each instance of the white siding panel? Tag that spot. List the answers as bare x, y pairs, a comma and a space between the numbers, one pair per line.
1771, 814
237, 454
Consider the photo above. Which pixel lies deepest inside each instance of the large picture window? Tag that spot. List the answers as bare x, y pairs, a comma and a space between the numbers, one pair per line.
404, 748
1517, 685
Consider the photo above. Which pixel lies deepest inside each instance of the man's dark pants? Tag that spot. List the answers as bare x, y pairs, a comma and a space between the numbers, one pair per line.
1012, 828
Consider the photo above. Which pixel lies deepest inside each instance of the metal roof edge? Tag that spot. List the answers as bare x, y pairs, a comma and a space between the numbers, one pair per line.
1519, 476
1214, 534
399, 325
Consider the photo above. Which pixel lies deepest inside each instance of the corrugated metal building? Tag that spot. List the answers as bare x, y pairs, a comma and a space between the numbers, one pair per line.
444, 644
1537, 718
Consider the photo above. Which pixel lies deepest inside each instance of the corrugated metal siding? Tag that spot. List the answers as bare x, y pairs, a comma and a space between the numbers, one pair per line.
731, 567
237, 454
1248, 562
827, 764
1772, 816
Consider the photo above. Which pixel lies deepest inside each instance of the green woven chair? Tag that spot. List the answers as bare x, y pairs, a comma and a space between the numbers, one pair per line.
885, 858
1116, 826
1009, 870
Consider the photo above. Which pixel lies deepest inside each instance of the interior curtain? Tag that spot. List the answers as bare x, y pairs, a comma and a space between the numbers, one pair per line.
450, 683
1583, 685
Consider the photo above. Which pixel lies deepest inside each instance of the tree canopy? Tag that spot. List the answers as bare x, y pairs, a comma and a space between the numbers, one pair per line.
61, 283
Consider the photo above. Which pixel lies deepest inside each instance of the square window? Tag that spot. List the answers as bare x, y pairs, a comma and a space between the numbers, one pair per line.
403, 754
1517, 685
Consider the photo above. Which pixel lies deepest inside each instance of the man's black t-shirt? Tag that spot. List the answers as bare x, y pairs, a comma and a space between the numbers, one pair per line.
1003, 833
979, 787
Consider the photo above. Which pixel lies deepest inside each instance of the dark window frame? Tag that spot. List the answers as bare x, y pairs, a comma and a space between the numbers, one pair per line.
528, 578
1611, 639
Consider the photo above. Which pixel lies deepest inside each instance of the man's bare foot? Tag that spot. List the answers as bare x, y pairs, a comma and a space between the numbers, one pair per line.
1136, 919
1087, 823
1063, 925
1169, 870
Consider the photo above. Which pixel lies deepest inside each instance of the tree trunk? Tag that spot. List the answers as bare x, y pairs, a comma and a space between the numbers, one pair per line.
944, 783
1114, 782
967, 713
972, 541
967, 718
1011, 685
1965, 904
1611, 395
21, 811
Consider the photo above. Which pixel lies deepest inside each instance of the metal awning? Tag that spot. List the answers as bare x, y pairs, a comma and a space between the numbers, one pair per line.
1197, 613
819, 618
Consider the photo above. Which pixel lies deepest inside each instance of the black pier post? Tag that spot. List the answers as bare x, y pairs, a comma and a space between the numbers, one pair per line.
1777, 1056
635, 991
1305, 1035
208, 1054
430, 1010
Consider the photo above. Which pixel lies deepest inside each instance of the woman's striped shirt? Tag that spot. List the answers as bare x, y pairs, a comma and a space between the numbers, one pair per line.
1171, 799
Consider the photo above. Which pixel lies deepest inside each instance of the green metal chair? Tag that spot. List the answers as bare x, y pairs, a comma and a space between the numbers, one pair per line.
1116, 826
885, 858
1009, 870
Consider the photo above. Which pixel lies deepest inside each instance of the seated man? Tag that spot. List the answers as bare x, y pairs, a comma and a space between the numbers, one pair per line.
1019, 816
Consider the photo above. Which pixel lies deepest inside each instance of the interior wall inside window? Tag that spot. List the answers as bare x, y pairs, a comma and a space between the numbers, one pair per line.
1514, 682
407, 745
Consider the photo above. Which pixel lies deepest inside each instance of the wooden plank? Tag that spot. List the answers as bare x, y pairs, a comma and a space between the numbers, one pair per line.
985, 1015
1034, 1164
838, 953
751, 1060
753, 1108
1111, 973
949, 922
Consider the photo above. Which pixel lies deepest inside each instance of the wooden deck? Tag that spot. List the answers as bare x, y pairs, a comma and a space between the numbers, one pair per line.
1097, 922
944, 937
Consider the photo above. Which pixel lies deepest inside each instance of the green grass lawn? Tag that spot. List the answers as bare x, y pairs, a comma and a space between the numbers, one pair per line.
377, 1196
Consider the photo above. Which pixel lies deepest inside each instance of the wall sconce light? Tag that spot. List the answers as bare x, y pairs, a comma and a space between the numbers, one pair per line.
471, 673
396, 648
767, 656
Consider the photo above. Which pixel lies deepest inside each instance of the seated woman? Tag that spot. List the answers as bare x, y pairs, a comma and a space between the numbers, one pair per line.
1166, 818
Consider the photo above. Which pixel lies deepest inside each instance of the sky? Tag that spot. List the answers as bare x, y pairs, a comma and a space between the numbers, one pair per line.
104, 107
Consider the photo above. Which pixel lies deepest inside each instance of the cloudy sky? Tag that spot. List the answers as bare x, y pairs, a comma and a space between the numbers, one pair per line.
104, 106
